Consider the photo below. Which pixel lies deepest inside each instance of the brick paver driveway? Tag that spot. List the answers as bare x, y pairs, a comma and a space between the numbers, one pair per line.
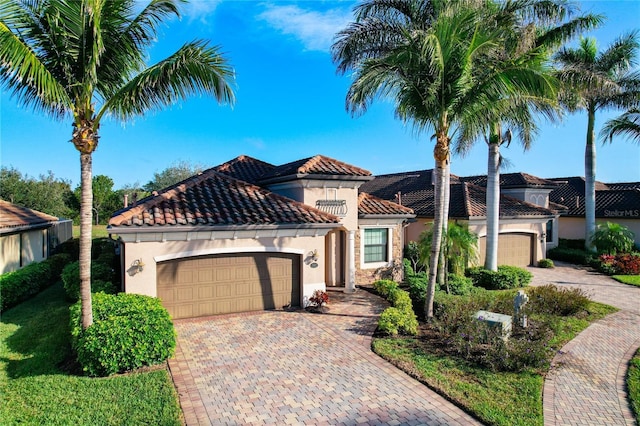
586, 385
298, 368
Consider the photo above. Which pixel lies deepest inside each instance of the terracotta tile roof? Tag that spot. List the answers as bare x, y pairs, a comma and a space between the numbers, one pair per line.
245, 168
214, 199
466, 199
514, 180
317, 165
13, 216
612, 199
370, 205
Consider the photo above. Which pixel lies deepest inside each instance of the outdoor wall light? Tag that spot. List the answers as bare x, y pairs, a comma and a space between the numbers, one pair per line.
138, 265
314, 255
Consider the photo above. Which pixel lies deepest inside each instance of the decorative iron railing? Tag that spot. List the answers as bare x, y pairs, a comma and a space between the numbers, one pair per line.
335, 207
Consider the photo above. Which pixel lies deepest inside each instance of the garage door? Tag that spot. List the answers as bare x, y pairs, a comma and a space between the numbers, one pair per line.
221, 284
513, 249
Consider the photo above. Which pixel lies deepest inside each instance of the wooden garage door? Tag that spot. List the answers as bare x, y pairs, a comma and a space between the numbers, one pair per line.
513, 249
221, 284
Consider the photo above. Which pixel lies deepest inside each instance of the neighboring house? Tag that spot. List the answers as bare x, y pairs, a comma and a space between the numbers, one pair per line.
28, 236
615, 202
248, 235
526, 227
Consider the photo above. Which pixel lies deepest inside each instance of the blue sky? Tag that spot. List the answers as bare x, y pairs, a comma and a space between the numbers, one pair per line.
290, 105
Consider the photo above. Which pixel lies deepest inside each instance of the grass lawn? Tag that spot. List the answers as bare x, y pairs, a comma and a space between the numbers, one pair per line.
633, 384
628, 279
97, 231
496, 398
39, 384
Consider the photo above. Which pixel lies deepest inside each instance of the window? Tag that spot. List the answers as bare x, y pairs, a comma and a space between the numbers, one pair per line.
375, 245
550, 231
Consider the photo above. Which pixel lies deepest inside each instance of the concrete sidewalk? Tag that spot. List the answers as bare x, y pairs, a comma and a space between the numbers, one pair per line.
586, 383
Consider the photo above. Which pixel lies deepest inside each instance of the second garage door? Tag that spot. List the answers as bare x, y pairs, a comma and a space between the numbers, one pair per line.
221, 284
513, 249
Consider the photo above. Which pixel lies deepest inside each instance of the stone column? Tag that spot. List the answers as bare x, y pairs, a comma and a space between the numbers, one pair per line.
350, 285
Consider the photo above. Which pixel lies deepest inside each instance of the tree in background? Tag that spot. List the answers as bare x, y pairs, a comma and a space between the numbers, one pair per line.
596, 81
176, 172
85, 60
46, 194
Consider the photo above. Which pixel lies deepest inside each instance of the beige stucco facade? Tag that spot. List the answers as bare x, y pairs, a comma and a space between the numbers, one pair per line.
18, 250
151, 248
534, 227
572, 228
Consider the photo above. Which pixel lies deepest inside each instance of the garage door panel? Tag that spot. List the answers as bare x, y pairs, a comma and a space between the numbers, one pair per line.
514, 249
228, 283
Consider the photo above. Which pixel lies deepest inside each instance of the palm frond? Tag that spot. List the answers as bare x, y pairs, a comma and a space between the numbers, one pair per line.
627, 125
194, 68
22, 70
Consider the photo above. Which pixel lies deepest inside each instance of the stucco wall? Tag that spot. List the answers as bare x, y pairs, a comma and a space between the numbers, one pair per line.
9, 253
152, 252
572, 228
479, 227
21, 249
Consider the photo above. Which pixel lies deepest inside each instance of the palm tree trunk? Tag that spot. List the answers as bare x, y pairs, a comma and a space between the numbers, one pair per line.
493, 206
86, 204
443, 264
441, 155
590, 180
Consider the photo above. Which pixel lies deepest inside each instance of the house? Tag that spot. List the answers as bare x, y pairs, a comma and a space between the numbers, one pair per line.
527, 217
28, 236
248, 235
615, 202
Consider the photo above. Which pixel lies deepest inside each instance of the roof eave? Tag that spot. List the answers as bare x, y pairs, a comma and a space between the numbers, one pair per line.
133, 229
314, 176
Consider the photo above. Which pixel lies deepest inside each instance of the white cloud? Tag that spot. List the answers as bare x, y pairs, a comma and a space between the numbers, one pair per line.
200, 9
315, 29
257, 143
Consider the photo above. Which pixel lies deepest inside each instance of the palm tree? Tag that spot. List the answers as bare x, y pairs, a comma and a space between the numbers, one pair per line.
532, 29
628, 124
598, 81
85, 59
425, 55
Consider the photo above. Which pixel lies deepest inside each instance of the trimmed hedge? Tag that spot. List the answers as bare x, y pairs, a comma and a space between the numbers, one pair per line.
571, 255
506, 277
546, 263
400, 318
20, 285
102, 278
129, 331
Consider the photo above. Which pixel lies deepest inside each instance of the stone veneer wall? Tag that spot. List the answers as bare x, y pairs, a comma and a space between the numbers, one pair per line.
369, 276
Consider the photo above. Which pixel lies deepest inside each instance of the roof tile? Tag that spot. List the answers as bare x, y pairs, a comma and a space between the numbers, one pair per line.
370, 205
317, 165
13, 216
214, 199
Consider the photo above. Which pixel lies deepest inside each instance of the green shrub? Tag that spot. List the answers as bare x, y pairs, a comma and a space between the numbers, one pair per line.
393, 321
100, 272
459, 284
549, 299
613, 238
26, 282
70, 247
506, 277
385, 287
571, 255
129, 331
401, 300
408, 269
546, 263
577, 244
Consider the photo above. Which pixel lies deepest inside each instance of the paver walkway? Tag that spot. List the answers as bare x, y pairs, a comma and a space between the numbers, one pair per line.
299, 368
586, 384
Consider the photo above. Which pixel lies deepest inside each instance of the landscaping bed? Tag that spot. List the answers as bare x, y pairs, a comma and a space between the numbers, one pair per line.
480, 386
40, 383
